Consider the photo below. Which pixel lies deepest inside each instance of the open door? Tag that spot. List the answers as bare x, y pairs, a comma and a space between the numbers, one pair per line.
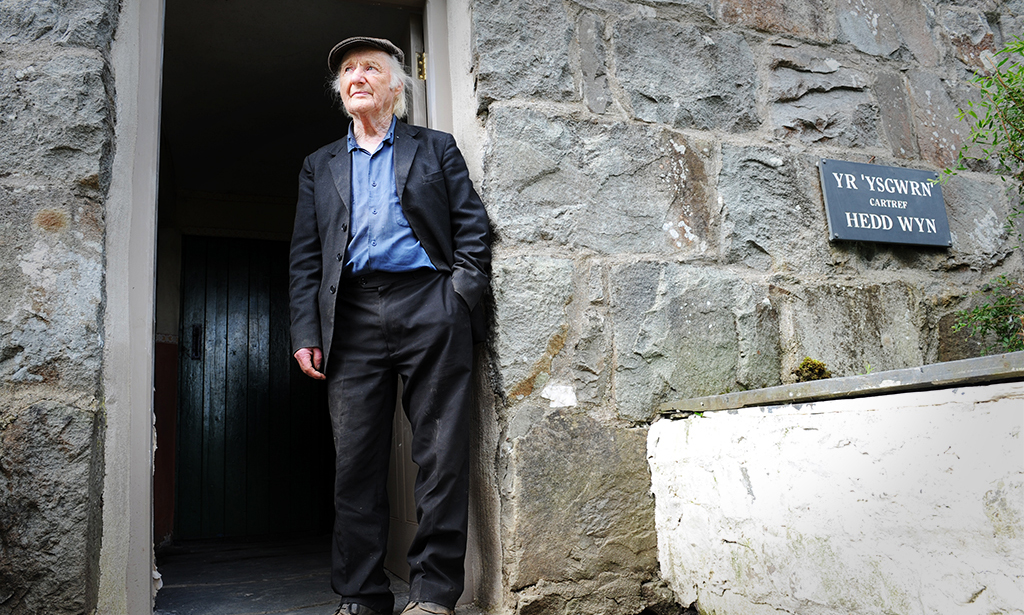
255, 452
402, 471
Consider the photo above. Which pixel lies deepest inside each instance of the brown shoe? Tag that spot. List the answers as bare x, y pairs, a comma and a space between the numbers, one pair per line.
427, 608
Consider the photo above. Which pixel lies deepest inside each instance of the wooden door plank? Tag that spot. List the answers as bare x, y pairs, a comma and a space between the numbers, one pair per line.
236, 386
401, 482
188, 501
300, 462
258, 434
214, 402
323, 474
281, 367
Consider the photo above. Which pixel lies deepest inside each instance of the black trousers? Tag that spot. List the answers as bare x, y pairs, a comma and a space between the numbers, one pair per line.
416, 327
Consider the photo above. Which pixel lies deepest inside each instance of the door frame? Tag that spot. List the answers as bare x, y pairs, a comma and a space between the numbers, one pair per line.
128, 578
126, 555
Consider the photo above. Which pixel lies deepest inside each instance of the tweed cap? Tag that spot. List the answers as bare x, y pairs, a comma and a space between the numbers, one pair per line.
338, 53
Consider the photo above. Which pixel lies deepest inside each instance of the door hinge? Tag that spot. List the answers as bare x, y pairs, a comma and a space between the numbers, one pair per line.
421, 65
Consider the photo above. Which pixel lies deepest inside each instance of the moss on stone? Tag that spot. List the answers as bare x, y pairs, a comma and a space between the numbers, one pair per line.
811, 369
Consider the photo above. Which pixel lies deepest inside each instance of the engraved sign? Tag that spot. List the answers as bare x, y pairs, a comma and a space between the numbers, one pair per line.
872, 202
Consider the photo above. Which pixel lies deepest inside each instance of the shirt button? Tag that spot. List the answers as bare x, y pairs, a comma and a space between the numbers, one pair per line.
333, 289
375, 212
339, 258
373, 243
374, 184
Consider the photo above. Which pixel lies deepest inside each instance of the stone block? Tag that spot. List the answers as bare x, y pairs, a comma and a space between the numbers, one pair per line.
698, 11
522, 50
811, 19
939, 133
686, 76
977, 210
596, 91
613, 7
885, 27
23, 21
910, 503
578, 507
685, 10
607, 593
685, 331
591, 356
852, 328
893, 99
819, 98
51, 260
530, 320
769, 219
972, 39
607, 187
800, 69
51, 491
988, 6
916, 22
956, 345
842, 118
54, 117
88, 23
867, 28
1011, 18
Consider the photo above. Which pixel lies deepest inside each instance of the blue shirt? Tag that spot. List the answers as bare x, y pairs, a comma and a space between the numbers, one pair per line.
381, 239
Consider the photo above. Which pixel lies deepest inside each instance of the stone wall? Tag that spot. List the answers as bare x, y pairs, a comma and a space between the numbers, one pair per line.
910, 503
649, 168
56, 127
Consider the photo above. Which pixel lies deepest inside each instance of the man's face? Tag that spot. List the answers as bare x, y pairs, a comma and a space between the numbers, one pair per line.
365, 83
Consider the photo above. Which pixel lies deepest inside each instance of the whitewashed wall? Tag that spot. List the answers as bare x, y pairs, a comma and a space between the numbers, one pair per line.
908, 503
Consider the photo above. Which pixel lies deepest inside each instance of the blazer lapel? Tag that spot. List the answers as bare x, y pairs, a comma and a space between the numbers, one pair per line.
405, 150
341, 170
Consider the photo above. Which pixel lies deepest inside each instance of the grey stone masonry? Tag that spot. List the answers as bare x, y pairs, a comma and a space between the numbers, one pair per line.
56, 133
650, 171
591, 530
531, 35
686, 76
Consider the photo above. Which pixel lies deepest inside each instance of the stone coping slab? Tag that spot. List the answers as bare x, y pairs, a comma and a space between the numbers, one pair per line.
990, 369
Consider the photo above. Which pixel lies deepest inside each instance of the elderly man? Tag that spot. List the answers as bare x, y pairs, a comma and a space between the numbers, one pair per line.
389, 258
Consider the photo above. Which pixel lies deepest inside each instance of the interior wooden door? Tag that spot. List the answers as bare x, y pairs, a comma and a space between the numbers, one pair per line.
401, 494
402, 471
255, 452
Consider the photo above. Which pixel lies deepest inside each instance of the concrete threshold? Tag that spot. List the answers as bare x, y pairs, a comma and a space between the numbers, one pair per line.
982, 370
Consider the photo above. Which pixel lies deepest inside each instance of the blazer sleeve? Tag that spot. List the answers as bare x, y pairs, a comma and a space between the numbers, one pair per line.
469, 227
305, 266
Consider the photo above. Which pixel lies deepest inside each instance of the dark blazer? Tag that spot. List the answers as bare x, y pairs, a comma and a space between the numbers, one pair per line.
438, 199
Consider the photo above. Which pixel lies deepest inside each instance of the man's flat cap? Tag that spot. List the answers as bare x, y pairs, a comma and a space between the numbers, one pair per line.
338, 53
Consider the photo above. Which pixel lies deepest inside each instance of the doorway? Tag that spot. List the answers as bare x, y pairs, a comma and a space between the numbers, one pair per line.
244, 100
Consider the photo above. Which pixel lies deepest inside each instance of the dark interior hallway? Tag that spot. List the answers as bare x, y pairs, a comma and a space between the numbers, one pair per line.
250, 577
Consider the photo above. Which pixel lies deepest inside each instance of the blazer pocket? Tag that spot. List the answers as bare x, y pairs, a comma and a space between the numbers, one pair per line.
433, 177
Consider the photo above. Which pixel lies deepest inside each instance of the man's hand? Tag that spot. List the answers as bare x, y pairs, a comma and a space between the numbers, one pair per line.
309, 362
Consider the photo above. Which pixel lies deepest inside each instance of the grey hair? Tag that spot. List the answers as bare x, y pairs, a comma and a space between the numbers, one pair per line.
398, 76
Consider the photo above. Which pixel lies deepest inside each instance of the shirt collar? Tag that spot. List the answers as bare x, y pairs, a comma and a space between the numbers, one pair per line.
389, 139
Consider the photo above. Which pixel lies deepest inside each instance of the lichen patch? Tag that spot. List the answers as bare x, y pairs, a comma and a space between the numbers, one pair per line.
51, 220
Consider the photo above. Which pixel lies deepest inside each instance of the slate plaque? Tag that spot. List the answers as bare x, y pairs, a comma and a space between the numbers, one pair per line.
872, 202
